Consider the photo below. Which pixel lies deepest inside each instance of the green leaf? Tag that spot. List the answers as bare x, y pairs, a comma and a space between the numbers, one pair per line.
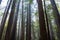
30, 1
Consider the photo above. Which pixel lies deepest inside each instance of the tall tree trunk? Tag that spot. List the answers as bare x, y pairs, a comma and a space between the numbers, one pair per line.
14, 26
22, 25
57, 19
43, 32
49, 26
48, 31
10, 22
28, 26
4, 17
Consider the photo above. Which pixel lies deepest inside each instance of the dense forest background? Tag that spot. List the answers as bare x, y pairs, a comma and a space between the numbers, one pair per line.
35, 33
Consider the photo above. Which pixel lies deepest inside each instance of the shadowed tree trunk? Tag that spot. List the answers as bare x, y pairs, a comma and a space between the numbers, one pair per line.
4, 17
49, 28
48, 31
10, 22
28, 26
43, 32
13, 34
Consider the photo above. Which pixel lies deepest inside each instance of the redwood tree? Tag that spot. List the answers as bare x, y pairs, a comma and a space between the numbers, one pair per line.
43, 31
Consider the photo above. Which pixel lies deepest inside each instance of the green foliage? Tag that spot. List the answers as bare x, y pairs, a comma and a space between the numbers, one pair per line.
30, 1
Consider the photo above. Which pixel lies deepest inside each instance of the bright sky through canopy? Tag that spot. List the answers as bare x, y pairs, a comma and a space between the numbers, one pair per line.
3, 3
